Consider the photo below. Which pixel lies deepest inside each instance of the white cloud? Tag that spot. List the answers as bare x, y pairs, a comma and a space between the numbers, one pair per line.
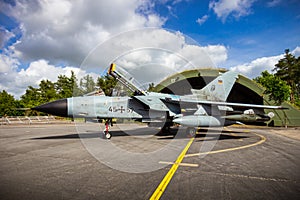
16, 82
155, 64
255, 67
148, 54
273, 3
202, 20
224, 8
5, 36
150, 48
296, 51
66, 30
7, 63
56, 32
63, 31
217, 53
39, 70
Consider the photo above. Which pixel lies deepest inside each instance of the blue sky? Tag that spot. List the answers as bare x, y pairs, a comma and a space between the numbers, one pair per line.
41, 39
267, 29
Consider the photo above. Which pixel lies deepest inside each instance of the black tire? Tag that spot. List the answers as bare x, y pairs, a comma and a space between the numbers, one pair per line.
191, 132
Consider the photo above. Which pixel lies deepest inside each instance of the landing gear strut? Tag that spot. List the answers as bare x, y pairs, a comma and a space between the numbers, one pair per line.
106, 130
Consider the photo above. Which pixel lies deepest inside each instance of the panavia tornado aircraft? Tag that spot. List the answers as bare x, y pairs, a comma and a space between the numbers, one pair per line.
203, 108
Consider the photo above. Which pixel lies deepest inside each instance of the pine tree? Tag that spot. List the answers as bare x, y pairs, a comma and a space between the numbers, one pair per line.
288, 69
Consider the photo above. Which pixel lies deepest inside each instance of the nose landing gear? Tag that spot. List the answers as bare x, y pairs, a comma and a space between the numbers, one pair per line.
106, 132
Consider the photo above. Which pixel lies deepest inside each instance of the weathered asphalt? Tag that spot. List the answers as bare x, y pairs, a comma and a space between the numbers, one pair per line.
51, 162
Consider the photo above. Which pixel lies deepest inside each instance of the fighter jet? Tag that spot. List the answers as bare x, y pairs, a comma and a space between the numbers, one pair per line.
206, 107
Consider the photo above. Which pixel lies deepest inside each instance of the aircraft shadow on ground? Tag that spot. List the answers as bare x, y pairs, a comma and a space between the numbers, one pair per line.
206, 130
213, 137
94, 134
213, 134
68, 136
80, 135
141, 132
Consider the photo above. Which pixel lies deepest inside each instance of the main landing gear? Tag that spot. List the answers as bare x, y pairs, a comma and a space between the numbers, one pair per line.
191, 132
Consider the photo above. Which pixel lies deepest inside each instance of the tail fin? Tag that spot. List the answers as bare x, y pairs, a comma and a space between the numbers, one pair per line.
218, 89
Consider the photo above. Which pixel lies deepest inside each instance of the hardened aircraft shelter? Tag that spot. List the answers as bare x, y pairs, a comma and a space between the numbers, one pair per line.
244, 90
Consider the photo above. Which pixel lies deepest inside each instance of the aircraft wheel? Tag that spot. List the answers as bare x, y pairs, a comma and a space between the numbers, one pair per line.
108, 135
191, 132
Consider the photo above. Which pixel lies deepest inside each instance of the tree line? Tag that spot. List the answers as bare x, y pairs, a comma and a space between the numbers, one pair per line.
283, 85
48, 91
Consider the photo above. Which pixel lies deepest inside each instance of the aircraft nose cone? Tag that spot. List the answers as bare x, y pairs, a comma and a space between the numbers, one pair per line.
58, 108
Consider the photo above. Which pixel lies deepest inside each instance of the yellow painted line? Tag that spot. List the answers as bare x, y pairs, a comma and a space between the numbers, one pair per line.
233, 134
181, 164
262, 140
227, 129
164, 183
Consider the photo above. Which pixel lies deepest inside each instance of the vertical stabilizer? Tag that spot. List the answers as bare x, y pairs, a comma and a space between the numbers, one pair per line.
218, 89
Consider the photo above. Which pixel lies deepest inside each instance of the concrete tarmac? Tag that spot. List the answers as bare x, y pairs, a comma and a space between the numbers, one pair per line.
51, 161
